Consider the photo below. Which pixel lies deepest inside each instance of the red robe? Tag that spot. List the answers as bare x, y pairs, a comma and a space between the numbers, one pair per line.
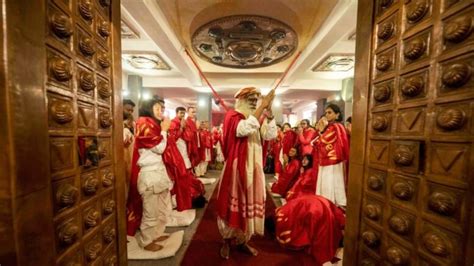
313, 223
235, 150
315, 153
148, 135
196, 188
190, 135
305, 139
216, 138
333, 146
175, 129
289, 141
276, 148
287, 178
206, 143
304, 185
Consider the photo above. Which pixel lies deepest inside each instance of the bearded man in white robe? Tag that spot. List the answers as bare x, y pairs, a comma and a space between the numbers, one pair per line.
241, 195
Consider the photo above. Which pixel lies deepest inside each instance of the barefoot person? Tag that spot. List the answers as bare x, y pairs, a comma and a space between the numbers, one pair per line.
149, 201
241, 195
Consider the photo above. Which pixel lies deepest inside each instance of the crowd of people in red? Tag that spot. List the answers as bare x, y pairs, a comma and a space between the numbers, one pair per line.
311, 169
326, 145
166, 157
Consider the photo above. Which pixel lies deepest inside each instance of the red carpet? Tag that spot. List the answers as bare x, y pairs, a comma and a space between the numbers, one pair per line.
206, 242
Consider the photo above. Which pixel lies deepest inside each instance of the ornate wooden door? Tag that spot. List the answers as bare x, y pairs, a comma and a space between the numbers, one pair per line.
63, 111
411, 186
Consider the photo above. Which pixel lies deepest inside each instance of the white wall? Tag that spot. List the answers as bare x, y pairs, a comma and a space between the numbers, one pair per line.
124, 81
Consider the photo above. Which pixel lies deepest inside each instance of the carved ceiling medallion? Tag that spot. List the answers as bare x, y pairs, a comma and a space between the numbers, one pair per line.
244, 41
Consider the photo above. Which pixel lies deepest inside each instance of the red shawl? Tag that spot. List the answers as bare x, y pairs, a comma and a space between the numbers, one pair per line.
148, 135
216, 138
177, 171
288, 141
304, 185
191, 138
206, 143
313, 223
234, 148
287, 178
175, 129
305, 139
333, 146
189, 187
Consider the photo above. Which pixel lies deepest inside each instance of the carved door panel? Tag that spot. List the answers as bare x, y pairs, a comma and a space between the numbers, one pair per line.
80, 96
62, 179
412, 191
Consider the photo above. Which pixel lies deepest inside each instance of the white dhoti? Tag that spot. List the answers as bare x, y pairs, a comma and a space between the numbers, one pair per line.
154, 188
201, 168
331, 183
219, 154
252, 197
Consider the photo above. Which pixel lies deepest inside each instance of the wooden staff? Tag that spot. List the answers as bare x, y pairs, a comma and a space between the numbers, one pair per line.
207, 81
283, 76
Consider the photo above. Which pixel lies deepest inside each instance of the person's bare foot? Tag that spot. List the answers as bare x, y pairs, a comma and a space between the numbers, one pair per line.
225, 250
161, 238
248, 249
153, 247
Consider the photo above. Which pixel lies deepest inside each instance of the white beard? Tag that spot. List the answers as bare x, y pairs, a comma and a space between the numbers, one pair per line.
243, 107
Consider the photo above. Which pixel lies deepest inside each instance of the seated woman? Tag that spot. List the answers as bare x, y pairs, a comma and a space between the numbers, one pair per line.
149, 200
313, 223
289, 174
306, 182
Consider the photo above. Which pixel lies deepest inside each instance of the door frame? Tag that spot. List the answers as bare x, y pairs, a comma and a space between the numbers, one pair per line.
360, 111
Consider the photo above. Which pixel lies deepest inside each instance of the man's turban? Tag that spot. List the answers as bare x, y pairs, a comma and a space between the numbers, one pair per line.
246, 92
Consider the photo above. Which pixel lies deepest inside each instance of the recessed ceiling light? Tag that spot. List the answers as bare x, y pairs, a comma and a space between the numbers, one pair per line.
145, 61
336, 63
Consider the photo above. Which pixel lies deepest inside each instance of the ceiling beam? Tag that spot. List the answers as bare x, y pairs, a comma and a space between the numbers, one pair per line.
150, 17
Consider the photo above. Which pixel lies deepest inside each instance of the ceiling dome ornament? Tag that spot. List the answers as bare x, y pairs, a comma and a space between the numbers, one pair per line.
244, 41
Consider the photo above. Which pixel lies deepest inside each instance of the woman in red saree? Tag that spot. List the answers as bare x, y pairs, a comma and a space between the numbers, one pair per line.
333, 151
